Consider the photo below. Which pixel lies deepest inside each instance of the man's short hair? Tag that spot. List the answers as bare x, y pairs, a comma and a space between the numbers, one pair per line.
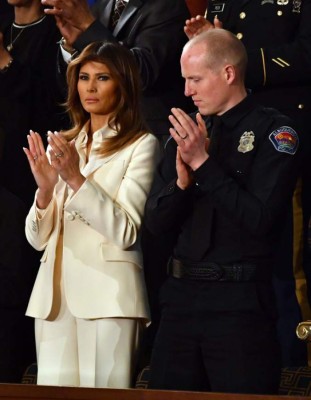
222, 47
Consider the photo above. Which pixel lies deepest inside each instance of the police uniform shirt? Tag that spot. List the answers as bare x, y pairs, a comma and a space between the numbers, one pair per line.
233, 211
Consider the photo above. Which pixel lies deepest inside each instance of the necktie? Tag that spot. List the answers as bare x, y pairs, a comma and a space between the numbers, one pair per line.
117, 11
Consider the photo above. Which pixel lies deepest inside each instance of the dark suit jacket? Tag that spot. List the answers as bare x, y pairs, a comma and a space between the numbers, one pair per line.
153, 31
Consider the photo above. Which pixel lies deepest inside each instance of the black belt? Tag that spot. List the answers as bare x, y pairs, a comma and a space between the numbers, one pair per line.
237, 272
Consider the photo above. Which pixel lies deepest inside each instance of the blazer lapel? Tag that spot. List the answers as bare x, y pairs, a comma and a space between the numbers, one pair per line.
130, 9
103, 12
94, 164
96, 161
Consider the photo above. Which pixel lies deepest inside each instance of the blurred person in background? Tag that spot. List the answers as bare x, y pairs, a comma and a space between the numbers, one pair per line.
145, 27
28, 99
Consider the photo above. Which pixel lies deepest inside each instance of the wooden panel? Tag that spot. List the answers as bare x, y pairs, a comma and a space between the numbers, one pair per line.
27, 392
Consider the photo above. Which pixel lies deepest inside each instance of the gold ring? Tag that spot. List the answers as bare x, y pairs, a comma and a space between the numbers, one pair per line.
185, 137
35, 157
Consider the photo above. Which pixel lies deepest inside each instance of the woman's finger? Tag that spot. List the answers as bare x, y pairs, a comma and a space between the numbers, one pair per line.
57, 143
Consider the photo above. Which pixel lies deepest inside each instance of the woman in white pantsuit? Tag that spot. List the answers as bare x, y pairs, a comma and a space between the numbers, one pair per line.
89, 299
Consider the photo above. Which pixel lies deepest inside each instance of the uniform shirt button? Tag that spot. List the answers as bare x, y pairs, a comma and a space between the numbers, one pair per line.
279, 13
242, 15
239, 35
301, 106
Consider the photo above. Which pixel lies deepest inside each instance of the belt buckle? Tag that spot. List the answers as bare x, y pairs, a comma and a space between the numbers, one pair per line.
214, 272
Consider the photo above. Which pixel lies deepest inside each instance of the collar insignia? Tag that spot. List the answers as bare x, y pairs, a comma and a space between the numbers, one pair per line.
296, 6
217, 8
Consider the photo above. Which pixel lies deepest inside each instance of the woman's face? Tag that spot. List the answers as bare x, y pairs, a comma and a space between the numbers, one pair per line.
98, 90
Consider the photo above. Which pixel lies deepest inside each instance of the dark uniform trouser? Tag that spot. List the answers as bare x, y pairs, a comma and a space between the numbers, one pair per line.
218, 337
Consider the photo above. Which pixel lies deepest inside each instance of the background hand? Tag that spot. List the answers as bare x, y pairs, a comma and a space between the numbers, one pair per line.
68, 31
74, 12
5, 56
199, 24
1, 40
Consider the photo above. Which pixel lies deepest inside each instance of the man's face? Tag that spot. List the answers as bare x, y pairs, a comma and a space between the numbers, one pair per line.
208, 88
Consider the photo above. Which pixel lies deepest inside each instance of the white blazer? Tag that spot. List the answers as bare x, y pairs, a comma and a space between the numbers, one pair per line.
102, 261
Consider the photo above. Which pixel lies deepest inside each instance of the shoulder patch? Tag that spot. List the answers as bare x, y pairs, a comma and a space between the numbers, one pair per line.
285, 140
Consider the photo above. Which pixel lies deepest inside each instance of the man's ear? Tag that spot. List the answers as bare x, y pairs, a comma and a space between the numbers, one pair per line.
230, 73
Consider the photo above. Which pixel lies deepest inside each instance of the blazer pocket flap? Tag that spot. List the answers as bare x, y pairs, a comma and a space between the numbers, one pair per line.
114, 254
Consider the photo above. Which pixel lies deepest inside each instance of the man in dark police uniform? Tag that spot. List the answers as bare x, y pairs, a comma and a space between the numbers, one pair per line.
277, 37
226, 195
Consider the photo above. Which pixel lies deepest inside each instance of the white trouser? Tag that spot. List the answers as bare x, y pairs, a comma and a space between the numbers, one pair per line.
78, 352
89, 353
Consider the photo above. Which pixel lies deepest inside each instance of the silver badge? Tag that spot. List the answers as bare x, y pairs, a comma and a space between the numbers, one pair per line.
296, 6
246, 142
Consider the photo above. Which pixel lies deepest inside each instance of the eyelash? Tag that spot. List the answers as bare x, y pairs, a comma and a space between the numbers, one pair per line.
101, 77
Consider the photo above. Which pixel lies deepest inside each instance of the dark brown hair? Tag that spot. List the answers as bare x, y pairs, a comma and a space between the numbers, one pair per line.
127, 118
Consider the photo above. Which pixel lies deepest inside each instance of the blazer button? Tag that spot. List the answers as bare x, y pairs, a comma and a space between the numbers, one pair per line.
242, 15
239, 35
171, 188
